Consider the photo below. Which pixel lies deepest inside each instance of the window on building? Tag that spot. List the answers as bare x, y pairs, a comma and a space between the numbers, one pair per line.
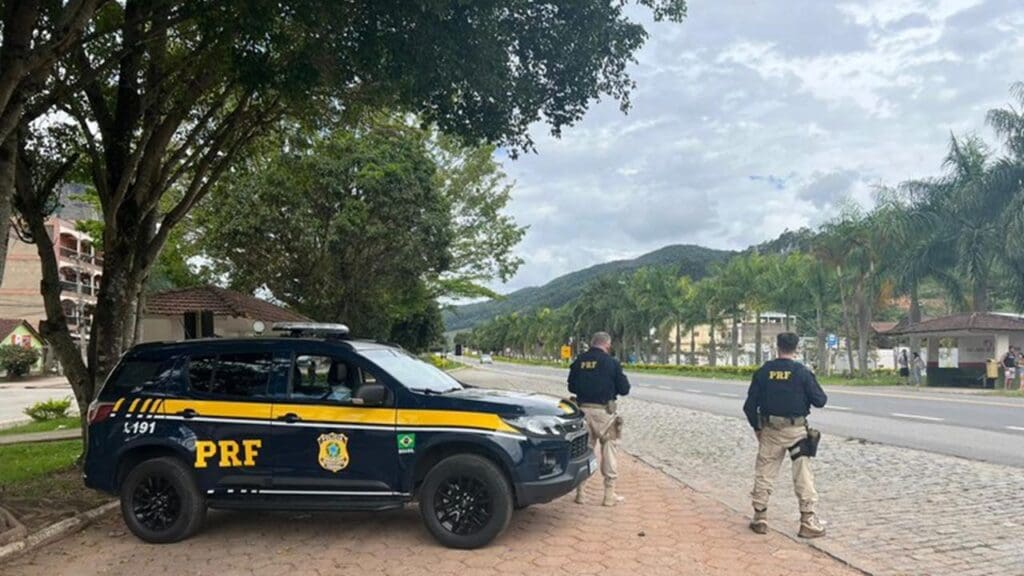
199, 325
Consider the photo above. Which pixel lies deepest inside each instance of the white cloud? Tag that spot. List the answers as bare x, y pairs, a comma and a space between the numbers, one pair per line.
751, 118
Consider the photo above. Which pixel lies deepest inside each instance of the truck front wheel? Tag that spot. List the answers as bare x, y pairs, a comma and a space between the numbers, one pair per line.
466, 501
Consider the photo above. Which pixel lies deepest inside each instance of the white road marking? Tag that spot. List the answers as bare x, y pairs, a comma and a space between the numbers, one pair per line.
918, 417
1017, 428
663, 387
727, 395
842, 408
694, 391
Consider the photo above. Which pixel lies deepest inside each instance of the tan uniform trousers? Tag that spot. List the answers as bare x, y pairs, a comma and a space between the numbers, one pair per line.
599, 424
772, 450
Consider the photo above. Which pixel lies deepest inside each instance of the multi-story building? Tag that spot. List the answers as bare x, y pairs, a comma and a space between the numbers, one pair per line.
772, 323
79, 263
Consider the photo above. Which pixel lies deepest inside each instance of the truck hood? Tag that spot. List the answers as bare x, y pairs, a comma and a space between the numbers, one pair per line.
510, 403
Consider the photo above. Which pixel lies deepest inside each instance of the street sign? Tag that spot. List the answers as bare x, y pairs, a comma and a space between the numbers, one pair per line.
833, 341
566, 352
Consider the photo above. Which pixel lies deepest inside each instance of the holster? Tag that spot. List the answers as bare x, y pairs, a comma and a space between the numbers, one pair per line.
807, 447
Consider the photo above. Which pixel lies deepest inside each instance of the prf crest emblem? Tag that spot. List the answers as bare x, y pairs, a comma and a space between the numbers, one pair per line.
333, 451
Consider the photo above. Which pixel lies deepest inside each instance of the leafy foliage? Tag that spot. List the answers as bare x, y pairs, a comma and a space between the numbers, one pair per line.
51, 409
17, 360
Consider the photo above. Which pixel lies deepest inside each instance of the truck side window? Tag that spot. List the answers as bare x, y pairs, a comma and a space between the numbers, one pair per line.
231, 375
322, 378
141, 374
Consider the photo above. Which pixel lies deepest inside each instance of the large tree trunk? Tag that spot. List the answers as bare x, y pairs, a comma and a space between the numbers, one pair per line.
757, 338
863, 331
847, 323
8, 156
915, 317
980, 296
679, 329
712, 346
735, 340
823, 363
54, 329
693, 348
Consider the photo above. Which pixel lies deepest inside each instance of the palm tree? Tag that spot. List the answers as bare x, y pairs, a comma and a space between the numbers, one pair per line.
709, 294
1007, 181
688, 313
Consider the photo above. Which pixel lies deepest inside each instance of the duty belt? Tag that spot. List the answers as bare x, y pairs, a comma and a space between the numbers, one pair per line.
784, 420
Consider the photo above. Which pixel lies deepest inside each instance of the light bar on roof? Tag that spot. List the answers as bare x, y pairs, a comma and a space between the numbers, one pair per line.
311, 329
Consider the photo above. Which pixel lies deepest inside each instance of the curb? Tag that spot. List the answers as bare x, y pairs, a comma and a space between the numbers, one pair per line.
55, 531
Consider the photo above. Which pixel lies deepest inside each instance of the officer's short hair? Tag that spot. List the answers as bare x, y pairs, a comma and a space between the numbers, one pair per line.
601, 339
787, 342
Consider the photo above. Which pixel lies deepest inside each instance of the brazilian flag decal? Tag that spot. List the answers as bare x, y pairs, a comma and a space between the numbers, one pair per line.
406, 443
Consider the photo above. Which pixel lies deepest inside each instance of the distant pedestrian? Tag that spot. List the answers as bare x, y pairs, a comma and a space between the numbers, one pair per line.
597, 380
779, 400
917, 368
904, 364
1010, 360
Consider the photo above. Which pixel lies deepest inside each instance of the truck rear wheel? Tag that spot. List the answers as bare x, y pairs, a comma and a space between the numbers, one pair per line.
466, 501
160, 502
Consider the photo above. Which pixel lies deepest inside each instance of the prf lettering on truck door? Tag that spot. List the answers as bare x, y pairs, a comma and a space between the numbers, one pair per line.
227, 453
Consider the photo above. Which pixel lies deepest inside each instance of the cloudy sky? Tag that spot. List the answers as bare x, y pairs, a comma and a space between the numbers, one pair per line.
754, 116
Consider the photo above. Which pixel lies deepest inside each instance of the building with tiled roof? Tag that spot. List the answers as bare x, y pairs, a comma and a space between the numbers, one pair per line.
208, 311
977, 338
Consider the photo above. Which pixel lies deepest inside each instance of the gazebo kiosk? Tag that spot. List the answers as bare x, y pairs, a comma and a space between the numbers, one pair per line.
978, 336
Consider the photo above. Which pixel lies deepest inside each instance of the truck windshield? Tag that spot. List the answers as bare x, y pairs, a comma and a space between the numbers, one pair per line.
412, 372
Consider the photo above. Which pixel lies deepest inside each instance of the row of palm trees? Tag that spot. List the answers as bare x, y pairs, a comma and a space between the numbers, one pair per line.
962, 231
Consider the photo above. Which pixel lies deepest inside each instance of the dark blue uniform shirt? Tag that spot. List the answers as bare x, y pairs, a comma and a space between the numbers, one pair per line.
596, 378
782, 387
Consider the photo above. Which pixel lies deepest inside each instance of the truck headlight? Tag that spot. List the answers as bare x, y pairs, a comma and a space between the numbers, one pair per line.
537, 425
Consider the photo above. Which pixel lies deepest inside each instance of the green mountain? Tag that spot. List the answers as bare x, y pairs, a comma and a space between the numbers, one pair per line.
689, 260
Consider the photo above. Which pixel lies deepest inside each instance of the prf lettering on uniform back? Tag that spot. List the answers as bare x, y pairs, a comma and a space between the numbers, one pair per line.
228, 451
588, 364
779, 374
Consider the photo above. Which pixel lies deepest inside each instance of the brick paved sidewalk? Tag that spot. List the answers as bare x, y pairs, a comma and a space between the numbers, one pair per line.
663, 527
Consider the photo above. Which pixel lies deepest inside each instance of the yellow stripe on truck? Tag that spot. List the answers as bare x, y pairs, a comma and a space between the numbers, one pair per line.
453, 418
342, 414
117, 405
145, 406
134, 404
220, 408
339, 414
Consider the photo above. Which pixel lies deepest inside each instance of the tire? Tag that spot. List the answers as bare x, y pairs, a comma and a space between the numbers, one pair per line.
484, 510
160, 502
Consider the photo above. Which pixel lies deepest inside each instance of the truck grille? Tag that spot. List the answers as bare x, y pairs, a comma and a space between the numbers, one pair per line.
579, 446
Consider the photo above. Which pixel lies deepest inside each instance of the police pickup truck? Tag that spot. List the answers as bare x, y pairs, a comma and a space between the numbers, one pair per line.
313, 420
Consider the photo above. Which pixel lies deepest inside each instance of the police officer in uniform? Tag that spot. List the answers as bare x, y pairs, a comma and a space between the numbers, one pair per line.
596, 379
780, 397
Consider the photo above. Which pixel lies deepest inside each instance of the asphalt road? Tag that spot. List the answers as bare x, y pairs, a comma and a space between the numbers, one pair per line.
983, 428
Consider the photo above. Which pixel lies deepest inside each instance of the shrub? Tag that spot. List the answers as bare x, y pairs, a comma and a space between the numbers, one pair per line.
17, 360
49, 410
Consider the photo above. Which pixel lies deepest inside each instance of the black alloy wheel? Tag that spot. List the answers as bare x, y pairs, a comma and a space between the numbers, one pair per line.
463, 505
160, 501
466, 501
156, 503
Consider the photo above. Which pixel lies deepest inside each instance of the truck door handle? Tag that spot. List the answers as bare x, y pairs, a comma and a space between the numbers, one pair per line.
290, 417
188, 413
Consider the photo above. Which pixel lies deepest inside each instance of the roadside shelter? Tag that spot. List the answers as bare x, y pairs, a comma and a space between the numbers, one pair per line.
976, 337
